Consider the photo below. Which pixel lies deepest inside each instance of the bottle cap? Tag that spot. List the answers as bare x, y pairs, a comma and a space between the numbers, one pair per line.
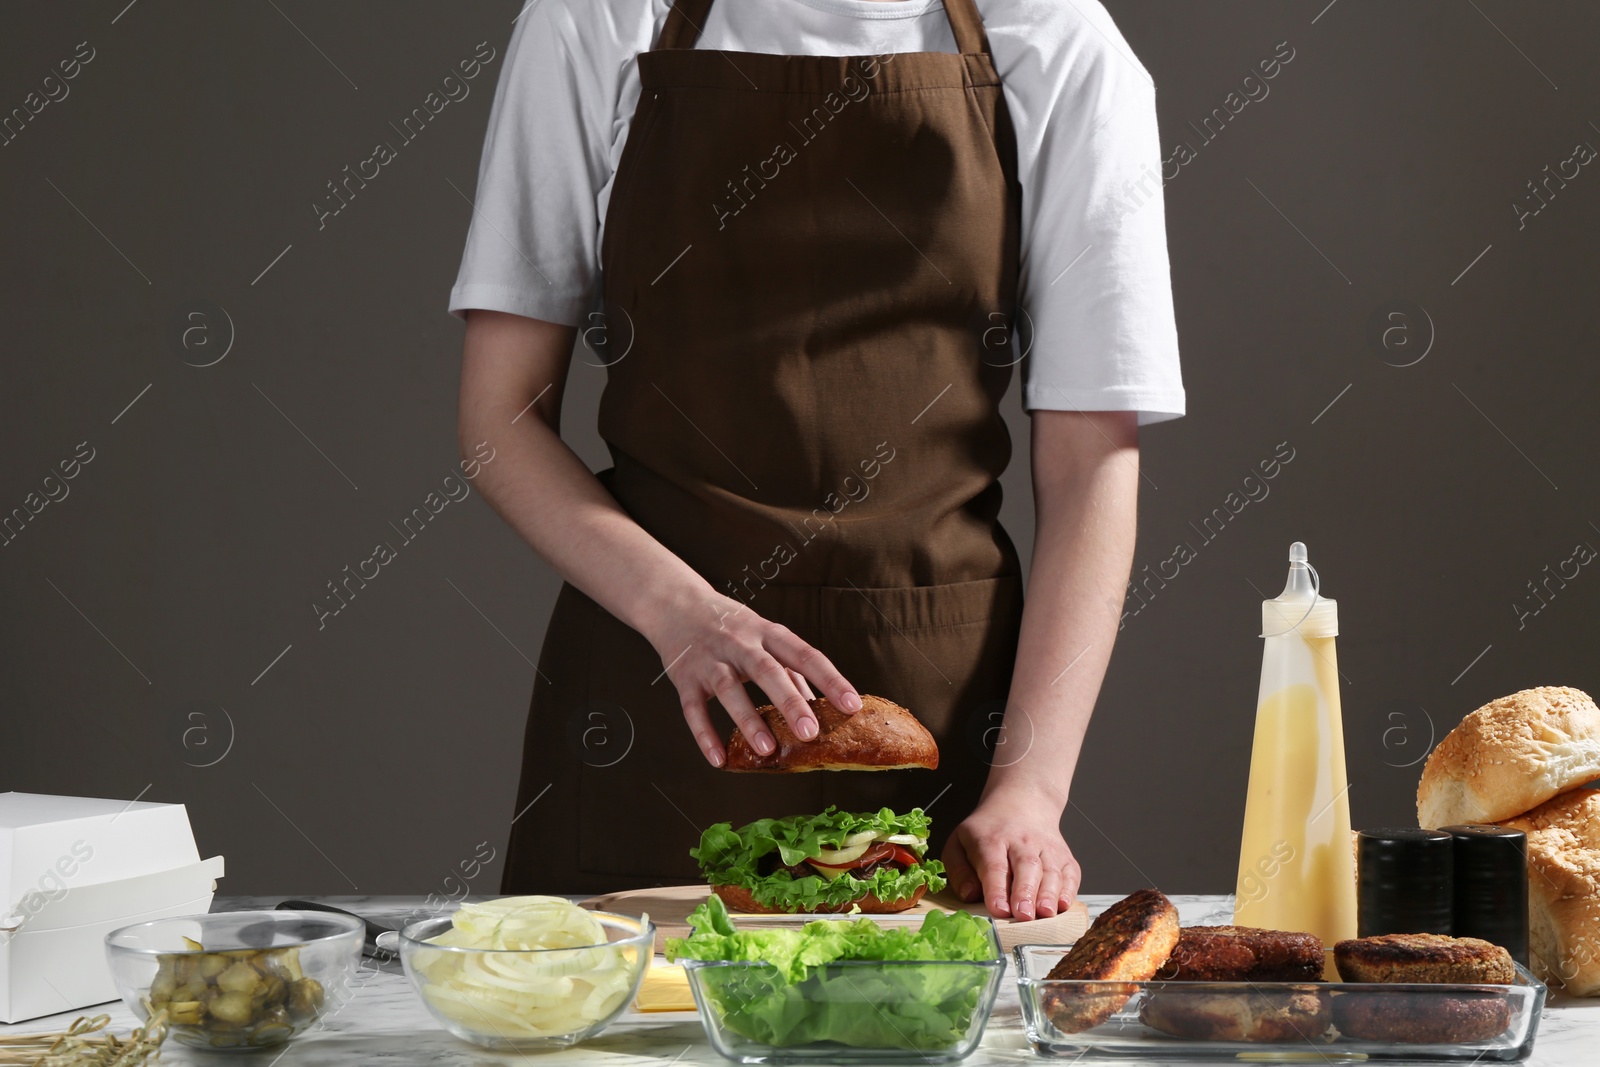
1301, 608
1404, 882
1490, 868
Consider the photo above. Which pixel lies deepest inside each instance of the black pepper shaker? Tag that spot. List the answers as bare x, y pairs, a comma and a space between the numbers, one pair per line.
1404, 882
1491, 886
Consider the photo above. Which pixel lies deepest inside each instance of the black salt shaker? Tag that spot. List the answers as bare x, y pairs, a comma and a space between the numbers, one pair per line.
1404, 882
1491, 886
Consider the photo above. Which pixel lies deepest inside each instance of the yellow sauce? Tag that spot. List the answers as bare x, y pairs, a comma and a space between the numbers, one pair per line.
1296, 864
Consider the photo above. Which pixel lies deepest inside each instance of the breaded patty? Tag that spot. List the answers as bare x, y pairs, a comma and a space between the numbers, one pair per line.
1290, 1015
1423, 958
1421, 1018
1128, 942
1243, 954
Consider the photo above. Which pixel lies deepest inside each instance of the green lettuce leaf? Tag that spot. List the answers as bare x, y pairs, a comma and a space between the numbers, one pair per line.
730, 857
796, 996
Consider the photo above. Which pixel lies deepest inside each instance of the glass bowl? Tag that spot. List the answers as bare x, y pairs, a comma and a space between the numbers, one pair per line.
525, 999
849, 1011
1333, 1022
237, 979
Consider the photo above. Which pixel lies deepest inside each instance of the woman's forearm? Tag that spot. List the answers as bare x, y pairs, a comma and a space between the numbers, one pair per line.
1085, 490
513, 373
1086, 481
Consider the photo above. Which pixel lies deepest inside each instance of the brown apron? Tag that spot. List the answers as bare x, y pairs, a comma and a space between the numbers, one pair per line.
810, 269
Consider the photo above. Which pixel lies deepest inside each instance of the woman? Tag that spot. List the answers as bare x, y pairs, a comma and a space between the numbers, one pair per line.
817, 221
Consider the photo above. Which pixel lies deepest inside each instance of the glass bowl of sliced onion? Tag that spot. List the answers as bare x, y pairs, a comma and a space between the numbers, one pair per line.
525, 973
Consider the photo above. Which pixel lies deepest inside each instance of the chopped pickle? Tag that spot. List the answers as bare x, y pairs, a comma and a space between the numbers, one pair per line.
182, 968
231, 1008
271, 1034
161, 989
237, 997
193, 989
305, 998
272, 990
239, 978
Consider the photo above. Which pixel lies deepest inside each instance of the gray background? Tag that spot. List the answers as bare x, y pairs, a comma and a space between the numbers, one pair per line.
142, 612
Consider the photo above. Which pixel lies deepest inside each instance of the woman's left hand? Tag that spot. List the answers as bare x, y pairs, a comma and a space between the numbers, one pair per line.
1010, 853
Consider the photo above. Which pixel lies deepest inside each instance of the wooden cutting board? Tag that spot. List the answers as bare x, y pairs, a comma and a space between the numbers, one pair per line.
669, 908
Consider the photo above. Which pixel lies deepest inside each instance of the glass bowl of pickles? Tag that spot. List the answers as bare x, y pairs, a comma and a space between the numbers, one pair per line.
237, 979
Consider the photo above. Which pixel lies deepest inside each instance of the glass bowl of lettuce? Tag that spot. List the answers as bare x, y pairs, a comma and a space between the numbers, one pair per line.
845, 989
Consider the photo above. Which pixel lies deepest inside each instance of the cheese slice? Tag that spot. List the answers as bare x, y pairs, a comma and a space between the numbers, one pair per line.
665, 988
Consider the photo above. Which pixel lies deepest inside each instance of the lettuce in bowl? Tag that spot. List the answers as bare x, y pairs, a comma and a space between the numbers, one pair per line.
851, 982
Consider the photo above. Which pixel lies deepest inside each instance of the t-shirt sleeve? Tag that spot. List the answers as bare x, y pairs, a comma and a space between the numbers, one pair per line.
1095, 286
532, 244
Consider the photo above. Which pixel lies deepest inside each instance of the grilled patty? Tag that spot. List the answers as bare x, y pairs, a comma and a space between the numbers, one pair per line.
1290, 1015
1243, 954
1421, 1018
1128, 942
1423, 958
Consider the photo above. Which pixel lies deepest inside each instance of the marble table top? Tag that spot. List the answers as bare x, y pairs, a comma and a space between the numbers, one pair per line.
385, 1024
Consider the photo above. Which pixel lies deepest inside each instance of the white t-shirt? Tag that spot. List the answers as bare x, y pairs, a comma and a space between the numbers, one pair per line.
1095, 282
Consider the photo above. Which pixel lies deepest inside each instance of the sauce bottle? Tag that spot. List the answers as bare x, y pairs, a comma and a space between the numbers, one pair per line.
1296, 860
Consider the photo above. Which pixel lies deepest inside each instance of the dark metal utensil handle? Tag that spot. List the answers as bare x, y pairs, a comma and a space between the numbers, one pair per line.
369, 946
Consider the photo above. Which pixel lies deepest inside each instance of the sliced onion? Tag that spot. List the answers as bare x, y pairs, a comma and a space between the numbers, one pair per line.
530, 990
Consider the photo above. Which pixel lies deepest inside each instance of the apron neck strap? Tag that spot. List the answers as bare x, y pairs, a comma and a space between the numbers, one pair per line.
683, 24
967, 25
685, 19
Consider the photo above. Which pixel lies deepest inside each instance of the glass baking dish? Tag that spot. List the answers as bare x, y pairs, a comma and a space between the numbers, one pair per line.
1488, 1023
847, 1012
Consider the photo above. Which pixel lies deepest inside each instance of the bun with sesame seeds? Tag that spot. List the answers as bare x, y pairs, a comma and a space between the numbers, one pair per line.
1564, 911
1509, 756
1578, 811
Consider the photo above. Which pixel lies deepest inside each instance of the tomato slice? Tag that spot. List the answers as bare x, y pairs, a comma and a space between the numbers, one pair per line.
905, 855
882, 850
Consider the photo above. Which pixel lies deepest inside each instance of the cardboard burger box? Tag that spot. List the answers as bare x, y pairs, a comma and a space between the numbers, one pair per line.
72, 869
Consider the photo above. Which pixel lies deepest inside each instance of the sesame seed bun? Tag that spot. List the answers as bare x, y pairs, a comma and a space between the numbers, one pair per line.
1509, 756
1577, 811
1564, 911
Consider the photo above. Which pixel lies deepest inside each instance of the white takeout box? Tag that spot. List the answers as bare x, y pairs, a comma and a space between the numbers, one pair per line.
72, 869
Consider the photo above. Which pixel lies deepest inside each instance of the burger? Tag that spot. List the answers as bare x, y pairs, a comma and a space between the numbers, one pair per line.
833, 862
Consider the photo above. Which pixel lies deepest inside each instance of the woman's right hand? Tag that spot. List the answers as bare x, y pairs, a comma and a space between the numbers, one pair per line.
711, 644
711, 651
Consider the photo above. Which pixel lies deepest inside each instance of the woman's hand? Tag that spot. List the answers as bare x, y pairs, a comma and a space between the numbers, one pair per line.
711, 644
711, 650
1010, 853
1085, 493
